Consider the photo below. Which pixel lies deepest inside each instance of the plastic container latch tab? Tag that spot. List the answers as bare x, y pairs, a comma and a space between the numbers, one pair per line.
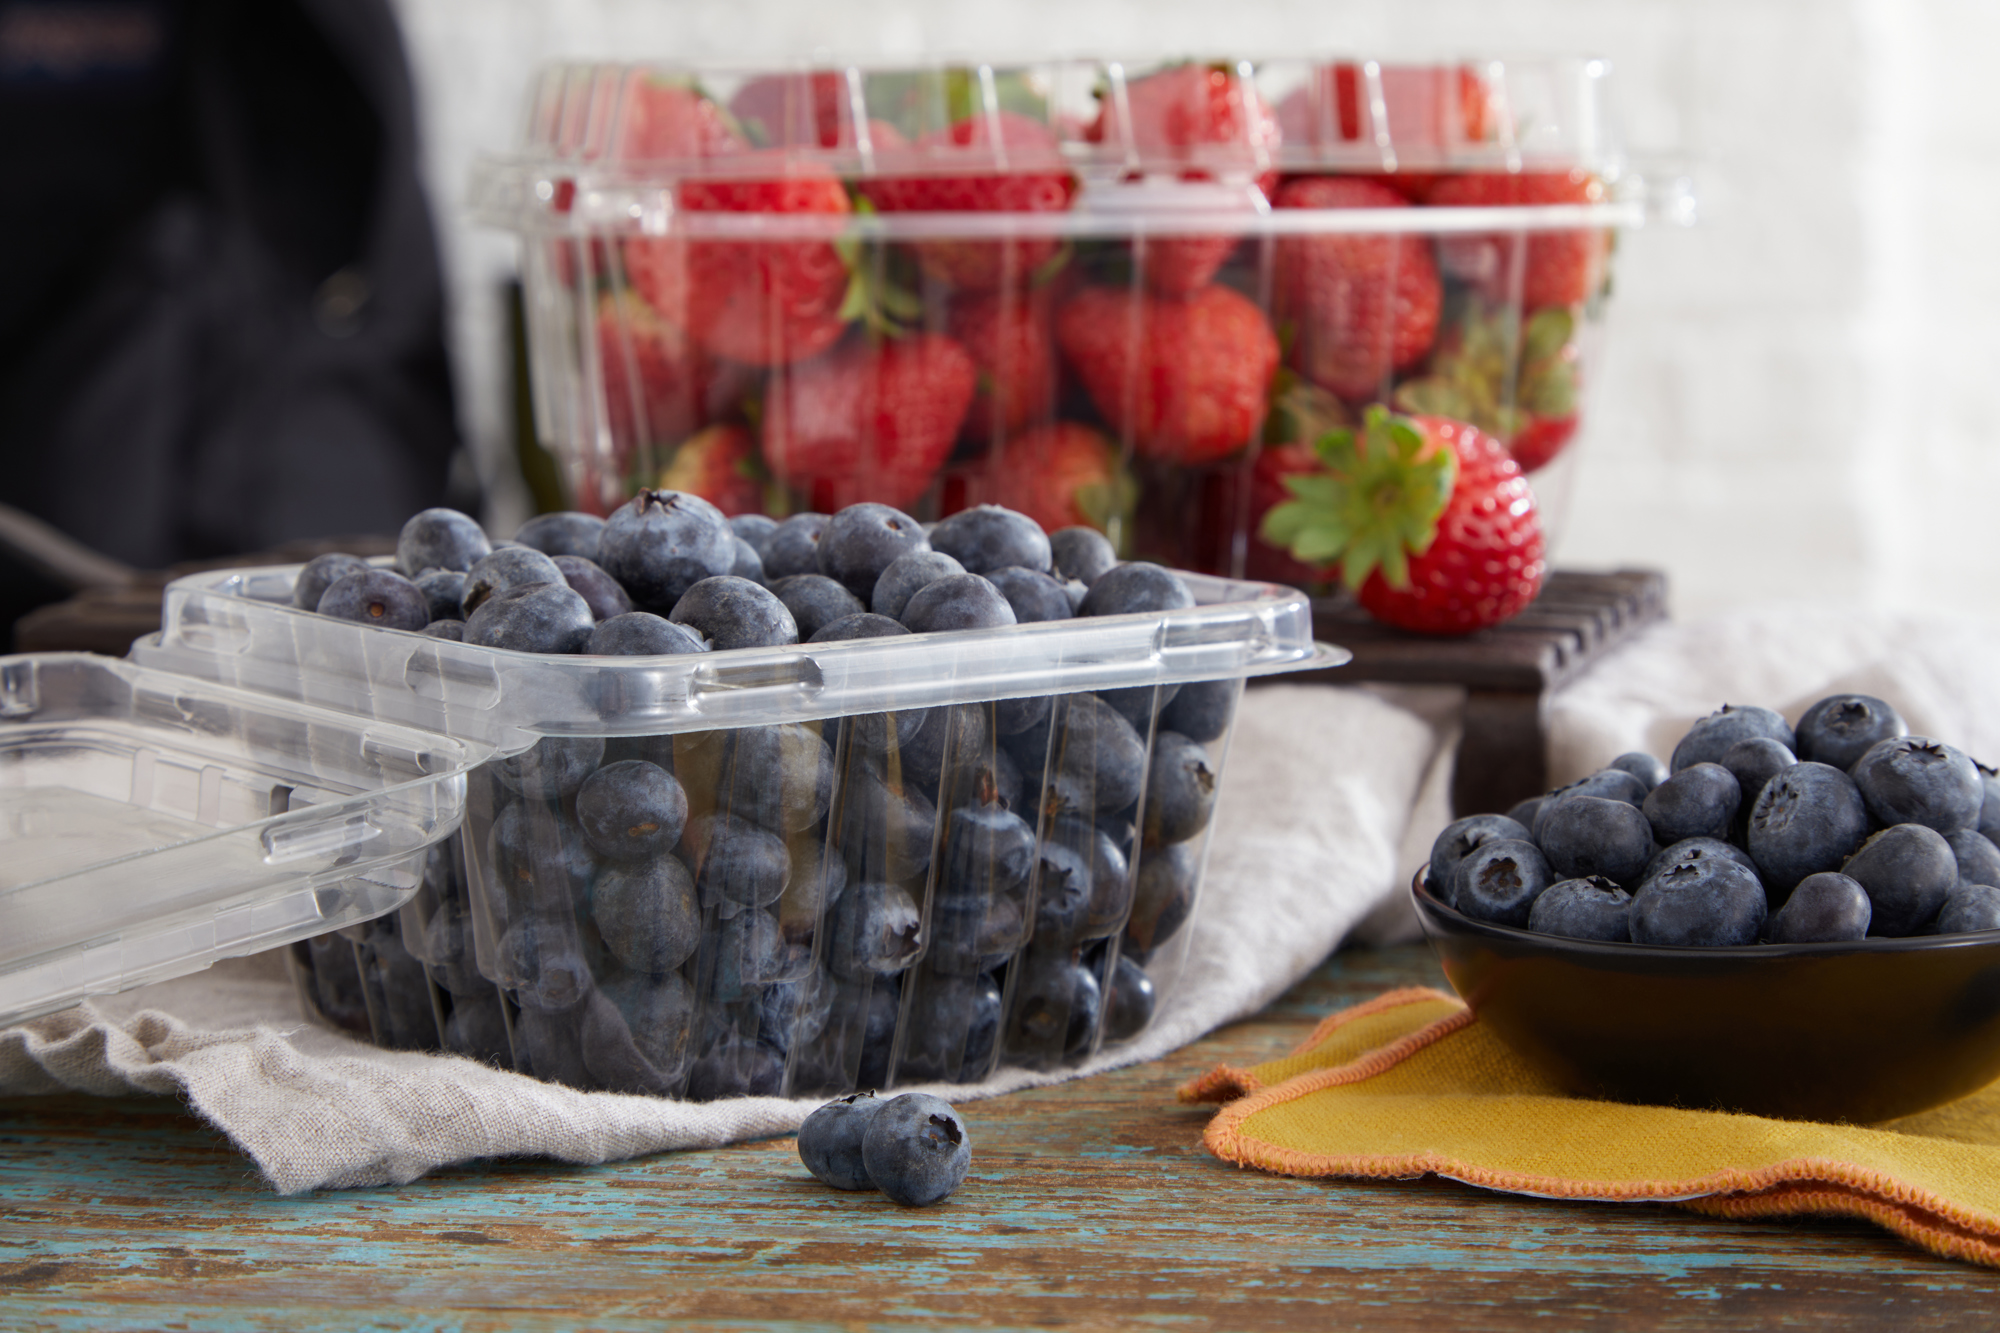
20, 690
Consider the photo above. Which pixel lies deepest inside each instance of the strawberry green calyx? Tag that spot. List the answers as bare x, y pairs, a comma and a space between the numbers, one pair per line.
1375, 504
872, 297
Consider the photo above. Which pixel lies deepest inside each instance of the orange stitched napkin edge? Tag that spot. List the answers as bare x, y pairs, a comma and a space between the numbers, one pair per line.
1408, 1022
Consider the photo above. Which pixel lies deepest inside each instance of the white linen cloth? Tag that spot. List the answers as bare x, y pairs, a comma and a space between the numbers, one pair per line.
1330, 800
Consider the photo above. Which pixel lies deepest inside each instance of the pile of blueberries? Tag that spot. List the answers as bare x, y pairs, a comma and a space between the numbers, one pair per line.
1755, 831
803, 907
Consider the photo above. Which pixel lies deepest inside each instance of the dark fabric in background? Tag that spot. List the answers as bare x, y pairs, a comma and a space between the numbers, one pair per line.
221, 313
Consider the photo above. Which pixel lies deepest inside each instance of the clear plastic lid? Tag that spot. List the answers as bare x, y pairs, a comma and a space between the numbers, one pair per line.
238, 627
154, 824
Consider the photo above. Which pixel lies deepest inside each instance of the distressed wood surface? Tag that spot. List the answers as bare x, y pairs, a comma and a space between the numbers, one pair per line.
1091, 1206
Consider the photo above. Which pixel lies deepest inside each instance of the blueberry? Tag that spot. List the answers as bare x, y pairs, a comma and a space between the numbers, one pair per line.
1459, 840
780, 776
659, 1013
735, 613
1645, 767
508, 567
1162, 898
862, 540
1841, 728
793, 546
748, 564
642, 634
988, 851
950, 739
1690, 850
647, 913
564, 533
875, 928
1081, 553
1823, 908
1137, 586
1908, 870
1525, 813
866, 625
377, 597
819, 877
735, 862
1128, 1005
1592, 908
957, 602
1700, 801
989, 537
598, 589
883, 828
746, 953
631, 810
322, 572
736, 1065
1989, 805
1970, 907
916, 1150
440, 539
795, 1011
973, 933
815, 601
1593, 835
1710, 738
1055, 1000
755, 529
1095, 760
1753, 763
538, 958
548, 1044
953, 1023
1916, 780
537, 618
659, 544
1110, 875
1978, 859
1180, 790
1500, 880
444, 589
452, 631
830, 1141
476, 1026
553, 767
884, 1002
538, 864
1202, 709
1699, 904
1807, 819
1612, 784
1034, 596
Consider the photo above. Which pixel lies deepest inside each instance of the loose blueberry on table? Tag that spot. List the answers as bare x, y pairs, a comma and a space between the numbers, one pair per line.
813, 906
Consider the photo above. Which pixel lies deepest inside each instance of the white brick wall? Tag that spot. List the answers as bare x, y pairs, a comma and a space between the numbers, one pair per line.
1795, 397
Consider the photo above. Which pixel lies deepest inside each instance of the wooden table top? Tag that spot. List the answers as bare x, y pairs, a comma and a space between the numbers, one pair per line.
1091, 1205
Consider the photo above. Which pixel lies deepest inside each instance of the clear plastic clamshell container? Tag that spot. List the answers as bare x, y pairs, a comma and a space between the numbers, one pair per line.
153, 824
899, 860
1091, 291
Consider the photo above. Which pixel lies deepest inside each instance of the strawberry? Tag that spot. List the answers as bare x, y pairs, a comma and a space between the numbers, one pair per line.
666, 120
1011, 339
1433, 524
655, 382
1362, 306
1553, 267
1428, 111
720, 465
767, 303
781, 110
1183, 379
1202, 122
1062, 474
1516, 379
1036, 180
870, 420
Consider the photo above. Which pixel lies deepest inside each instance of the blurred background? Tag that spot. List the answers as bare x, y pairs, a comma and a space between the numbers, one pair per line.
1793, 402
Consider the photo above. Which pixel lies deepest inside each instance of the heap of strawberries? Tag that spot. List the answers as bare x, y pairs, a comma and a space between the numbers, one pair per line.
1170, 389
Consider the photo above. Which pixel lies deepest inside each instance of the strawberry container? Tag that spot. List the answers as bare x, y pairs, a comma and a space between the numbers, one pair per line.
892, 860
1121, 296
155, 823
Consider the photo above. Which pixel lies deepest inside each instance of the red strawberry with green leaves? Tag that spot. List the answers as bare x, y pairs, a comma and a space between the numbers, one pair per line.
1359, 306
1184, 379
1036, 180
780, 110
1433, 525
672, 121
1534, 268
1011, 338
873, 419
1516, 379
655, 381
1061, 474
719, 464
1429, 111
1200, 122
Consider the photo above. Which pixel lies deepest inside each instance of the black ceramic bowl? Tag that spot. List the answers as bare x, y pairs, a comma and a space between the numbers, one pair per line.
1861, 1032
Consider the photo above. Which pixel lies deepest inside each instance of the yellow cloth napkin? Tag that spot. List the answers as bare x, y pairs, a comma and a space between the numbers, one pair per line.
1409, 1083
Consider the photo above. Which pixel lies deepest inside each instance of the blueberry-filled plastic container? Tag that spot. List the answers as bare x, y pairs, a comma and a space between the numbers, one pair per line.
893, 860
155, 823
1094, 291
